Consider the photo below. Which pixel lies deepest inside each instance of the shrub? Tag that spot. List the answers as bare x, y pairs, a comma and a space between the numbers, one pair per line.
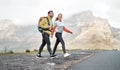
35, 50
27, 51
11, 52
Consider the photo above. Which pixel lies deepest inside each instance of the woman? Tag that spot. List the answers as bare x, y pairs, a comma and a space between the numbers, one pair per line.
59, 27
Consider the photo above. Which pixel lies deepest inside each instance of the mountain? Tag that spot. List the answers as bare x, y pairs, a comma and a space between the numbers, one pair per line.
93, 32
79, 22
116, 32
7, 30
89, 32
16, 37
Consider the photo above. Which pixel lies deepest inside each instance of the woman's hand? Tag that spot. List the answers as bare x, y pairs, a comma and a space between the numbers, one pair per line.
51, 36
71, 32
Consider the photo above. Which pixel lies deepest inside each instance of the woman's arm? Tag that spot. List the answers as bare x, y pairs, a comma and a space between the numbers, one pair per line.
53, 30
66, 30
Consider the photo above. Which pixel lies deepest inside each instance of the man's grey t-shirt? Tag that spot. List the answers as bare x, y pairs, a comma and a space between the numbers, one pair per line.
59, 26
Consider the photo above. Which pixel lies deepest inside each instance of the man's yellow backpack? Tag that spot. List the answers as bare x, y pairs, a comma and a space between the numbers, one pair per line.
40, 29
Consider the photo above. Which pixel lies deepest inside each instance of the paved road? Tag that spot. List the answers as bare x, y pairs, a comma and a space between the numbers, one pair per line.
104, 60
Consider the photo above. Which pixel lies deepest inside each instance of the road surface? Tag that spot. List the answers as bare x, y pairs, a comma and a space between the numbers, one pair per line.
104, 60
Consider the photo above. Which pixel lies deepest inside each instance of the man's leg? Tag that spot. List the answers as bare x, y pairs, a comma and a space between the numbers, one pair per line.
42, 46
47, 40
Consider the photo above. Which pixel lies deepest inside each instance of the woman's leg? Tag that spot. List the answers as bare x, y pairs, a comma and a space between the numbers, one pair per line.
59, 37
55, 47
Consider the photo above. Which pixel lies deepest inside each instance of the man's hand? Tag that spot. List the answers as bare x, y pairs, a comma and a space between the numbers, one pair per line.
48, 27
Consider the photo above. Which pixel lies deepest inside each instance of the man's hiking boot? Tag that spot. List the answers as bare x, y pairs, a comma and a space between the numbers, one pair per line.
53, 55
38, 55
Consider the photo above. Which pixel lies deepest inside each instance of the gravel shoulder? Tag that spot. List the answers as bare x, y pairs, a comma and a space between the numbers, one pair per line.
30, 62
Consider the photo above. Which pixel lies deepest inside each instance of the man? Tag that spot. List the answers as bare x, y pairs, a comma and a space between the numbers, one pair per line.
46, 24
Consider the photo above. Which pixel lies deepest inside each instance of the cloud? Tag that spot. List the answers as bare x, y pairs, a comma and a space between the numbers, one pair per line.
114, 12
101, 9
31, 10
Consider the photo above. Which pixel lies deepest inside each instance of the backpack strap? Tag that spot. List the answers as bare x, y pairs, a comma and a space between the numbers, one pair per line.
48, 21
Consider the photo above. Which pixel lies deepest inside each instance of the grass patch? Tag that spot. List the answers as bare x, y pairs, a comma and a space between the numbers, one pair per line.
17, 53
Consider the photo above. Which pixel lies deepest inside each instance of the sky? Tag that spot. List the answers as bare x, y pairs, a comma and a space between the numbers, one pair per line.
27, 12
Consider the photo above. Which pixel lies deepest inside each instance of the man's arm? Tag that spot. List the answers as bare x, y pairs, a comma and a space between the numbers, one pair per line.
53, 30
